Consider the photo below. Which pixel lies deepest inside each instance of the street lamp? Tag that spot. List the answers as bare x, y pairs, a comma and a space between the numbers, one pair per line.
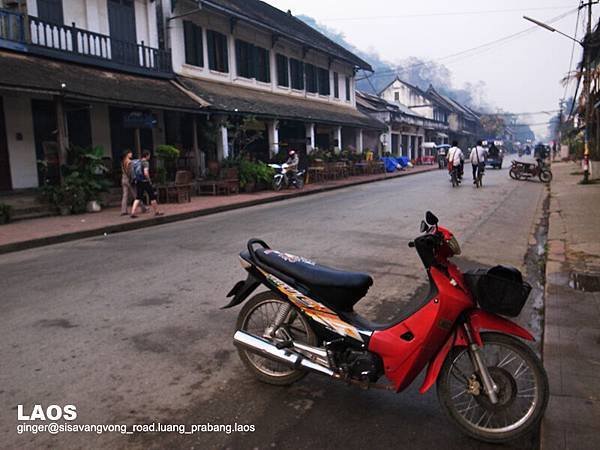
587, 81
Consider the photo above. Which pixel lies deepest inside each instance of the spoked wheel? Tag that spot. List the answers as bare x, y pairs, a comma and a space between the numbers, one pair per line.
255, 317
545, 176
514, 174
522, 390
277, 183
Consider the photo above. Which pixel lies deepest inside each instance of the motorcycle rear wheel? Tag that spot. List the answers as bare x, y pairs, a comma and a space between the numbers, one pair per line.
522, 396
514, 174
545, 176
255, 317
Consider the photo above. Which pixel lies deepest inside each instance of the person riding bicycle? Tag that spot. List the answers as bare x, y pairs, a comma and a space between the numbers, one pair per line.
292, 162
477, 157
455, 158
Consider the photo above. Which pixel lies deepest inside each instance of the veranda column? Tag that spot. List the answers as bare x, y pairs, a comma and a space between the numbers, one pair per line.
338, 138
359, 140
273, 131
198, 163
222, 142
310, 137
62, 137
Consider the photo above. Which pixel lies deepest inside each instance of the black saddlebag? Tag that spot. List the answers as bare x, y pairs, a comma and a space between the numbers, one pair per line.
499, 290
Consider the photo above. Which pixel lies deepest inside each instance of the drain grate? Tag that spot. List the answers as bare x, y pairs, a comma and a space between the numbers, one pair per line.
585, 282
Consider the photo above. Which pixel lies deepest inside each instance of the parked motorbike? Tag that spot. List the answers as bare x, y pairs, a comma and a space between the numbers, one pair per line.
522, 170
285, 178
490, 384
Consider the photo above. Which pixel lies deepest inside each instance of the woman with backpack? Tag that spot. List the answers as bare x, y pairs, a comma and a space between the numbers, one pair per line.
126, 180
140, 172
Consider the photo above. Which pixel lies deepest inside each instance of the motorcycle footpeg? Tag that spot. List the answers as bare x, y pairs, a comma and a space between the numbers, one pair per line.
284, 344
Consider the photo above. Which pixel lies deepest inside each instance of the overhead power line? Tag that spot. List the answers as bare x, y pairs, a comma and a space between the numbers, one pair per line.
468, 52
441, 14
572, 52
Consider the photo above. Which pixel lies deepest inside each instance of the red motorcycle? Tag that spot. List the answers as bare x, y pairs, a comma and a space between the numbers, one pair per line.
490, 383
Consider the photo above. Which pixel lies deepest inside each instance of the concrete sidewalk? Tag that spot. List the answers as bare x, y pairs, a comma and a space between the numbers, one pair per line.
50, 230
572, 316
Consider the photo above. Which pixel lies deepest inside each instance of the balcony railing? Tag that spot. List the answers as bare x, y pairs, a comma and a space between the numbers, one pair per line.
83, 46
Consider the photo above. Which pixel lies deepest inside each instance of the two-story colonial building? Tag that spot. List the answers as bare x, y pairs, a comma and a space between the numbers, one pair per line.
249, 59
420, 103
133, 74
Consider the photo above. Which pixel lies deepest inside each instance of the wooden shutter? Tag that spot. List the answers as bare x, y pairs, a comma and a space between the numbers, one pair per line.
336, 85
210, 41
282, 71
50, 11
199, 51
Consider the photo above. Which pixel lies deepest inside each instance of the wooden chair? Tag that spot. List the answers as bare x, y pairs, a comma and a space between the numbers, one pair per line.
231, 181
181, 190
221, 181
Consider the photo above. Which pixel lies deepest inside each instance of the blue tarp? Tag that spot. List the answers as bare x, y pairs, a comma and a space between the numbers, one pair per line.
391, 163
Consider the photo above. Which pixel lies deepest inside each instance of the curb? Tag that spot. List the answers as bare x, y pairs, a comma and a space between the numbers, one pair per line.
122, 227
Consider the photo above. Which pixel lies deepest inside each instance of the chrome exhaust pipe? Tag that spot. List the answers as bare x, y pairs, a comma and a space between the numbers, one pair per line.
262, 347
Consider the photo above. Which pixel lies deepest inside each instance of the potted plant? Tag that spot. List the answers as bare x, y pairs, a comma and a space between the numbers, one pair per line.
167, 155
247, 175
5, 211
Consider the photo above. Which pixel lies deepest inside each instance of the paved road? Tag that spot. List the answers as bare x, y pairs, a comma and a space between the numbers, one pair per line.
128, 327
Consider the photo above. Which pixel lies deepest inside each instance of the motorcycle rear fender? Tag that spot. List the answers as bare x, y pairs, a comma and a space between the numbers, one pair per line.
242, 290
479, 320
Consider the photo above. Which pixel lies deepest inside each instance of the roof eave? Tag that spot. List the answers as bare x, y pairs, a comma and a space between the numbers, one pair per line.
358, 62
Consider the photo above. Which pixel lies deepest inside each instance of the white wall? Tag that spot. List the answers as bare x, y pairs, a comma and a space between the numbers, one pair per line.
209, 21
408, 97
23, 161
93, 15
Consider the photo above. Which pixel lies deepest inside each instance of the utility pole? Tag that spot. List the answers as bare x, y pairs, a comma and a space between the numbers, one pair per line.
587, 83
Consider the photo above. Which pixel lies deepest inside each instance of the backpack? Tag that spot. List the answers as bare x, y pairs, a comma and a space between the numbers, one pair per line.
137, 171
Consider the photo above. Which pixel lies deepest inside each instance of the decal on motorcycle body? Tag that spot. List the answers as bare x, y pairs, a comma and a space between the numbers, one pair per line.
315, 310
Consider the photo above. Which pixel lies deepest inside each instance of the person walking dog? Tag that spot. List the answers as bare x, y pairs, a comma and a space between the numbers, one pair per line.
140, 170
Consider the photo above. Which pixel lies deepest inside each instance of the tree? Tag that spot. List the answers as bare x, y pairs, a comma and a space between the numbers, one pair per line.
493, 124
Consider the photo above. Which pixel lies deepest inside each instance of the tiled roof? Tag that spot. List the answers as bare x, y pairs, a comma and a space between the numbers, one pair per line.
237, 99
288, 26
24, 72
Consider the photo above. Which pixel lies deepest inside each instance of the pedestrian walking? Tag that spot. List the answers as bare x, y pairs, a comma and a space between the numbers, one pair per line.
126, 183
140, 169
477, 157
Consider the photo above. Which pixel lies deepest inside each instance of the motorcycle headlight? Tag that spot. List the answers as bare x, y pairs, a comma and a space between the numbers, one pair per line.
453, 245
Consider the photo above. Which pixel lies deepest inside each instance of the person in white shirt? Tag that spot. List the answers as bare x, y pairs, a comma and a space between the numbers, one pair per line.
455, 157
477, 157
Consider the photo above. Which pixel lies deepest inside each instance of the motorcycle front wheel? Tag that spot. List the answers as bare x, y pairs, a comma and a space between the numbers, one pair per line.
522, 390
545, 176
255, 317
277, 183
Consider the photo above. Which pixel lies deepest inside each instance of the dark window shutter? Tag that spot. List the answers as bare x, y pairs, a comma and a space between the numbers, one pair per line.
282, 71
51, 11
348, 88
224, 53
336, 85
217, 51
210, 41
199, 54
324, 84
193, 44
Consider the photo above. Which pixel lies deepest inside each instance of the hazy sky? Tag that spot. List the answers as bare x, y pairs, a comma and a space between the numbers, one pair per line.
522, 74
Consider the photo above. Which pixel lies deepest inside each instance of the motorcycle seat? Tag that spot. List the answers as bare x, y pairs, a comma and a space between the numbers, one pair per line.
339, 289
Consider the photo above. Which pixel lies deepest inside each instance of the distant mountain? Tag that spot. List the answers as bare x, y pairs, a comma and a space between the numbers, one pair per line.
417, 71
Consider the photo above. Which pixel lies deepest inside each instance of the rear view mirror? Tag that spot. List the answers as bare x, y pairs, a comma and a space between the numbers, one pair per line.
424, 226
431, 219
